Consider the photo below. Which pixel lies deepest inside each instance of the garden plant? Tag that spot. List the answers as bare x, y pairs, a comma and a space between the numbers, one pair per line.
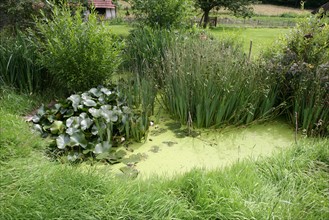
78, 54
301, 62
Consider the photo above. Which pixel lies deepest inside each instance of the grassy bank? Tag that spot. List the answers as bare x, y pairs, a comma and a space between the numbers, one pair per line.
290, 185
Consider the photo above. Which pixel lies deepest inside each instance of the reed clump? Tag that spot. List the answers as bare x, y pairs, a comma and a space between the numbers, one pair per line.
18, 66
212, 83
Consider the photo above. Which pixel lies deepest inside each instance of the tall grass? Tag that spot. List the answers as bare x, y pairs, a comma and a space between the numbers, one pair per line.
145, 48
140, 96
144, 53
16, 139
213, 83
18, 66
291, 186
207, 81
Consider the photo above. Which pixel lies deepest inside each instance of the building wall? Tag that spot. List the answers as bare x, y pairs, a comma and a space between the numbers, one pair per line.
110, 13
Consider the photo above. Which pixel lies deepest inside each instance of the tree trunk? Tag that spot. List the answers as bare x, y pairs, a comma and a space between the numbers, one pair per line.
206, 18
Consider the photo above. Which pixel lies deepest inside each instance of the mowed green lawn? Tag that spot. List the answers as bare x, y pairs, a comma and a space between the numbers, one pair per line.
121, 30
261, 38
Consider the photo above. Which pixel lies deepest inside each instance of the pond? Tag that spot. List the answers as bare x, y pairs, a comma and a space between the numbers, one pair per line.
169, 150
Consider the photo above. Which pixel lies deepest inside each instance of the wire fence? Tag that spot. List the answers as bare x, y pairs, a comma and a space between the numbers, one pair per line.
216, 21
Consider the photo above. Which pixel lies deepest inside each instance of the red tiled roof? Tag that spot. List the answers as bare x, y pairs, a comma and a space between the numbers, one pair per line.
102, 3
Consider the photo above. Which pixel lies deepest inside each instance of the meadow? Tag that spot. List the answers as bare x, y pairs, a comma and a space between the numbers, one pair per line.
198, 85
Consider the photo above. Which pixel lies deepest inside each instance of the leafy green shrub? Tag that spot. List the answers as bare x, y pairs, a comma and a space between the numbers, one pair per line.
18, 63
91, 123
163, 14
211, 83
79, 54
301, 62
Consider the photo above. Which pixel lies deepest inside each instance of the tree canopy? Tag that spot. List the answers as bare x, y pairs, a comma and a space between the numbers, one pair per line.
163, 14
21, 13
241, 7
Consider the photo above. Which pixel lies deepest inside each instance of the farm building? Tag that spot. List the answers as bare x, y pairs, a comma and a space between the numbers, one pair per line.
104, 7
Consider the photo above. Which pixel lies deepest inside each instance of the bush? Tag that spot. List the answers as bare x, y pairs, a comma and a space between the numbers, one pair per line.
163, 14
19, 13
79, 54
301, 62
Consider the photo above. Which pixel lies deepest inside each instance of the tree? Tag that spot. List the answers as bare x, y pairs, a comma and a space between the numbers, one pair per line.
241, 7
161, 13
19, 13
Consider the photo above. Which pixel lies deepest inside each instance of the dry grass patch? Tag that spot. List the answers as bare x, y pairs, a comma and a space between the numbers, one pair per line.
272, 10
275, 10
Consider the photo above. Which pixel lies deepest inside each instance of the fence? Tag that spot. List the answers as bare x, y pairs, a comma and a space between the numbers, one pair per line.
214, 21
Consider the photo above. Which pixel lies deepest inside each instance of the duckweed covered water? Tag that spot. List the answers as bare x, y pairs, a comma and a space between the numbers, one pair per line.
169, 150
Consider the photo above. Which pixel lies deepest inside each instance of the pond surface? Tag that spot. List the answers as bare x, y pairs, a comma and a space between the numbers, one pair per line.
169, 150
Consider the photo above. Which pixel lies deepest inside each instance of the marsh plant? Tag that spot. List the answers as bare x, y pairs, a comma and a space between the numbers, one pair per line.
18, 63
211, 83
91, 123
140, 92
145, 49
301, 62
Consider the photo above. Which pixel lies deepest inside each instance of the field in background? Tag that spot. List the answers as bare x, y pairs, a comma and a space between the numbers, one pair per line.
260, 9
261, 38
258, 29
121, 30
274, 10
265, 16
